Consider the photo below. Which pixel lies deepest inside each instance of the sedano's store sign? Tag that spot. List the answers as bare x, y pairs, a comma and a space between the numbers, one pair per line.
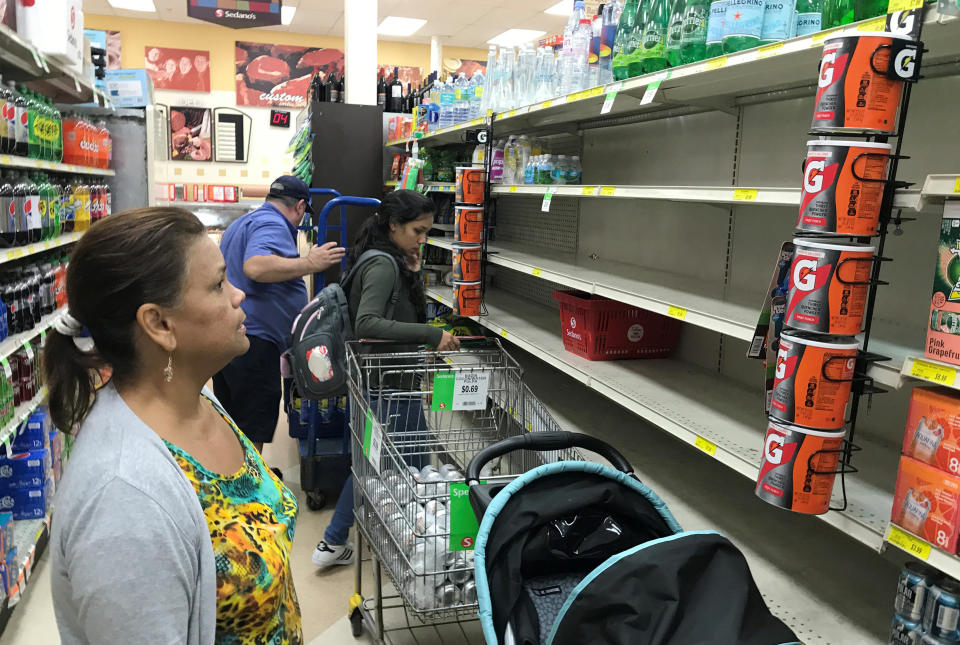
237, 14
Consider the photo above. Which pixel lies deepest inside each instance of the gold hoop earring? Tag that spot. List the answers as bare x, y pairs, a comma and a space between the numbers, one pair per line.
168, 370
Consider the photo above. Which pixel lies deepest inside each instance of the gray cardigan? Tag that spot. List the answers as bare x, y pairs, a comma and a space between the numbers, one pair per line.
131, 551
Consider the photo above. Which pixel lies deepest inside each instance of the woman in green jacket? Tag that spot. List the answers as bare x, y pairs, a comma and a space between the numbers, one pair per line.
399, 228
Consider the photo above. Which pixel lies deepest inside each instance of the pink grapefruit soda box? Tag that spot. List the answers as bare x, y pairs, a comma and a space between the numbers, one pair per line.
932, 434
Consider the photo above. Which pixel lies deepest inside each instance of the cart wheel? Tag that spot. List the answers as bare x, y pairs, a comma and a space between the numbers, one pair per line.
356, 623
316, 501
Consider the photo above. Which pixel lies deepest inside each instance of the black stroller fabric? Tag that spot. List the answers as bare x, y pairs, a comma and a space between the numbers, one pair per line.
563, 529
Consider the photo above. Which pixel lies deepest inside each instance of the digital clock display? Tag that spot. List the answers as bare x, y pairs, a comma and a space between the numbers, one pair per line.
280, 118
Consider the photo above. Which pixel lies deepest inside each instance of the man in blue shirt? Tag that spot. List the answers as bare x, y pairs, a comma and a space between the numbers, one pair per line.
262, 259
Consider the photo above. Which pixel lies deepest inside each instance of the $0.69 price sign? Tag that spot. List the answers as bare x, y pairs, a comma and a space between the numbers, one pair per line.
461, 390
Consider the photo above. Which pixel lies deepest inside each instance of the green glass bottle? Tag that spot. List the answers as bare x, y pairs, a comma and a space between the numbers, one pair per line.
635, 57
675, 34
743, 25
693, 42
654, 55
621, 45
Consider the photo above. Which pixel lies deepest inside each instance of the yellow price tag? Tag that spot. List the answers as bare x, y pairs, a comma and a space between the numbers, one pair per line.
489, 113
717, 63
504, 333
818, 38
769, 50
677, 312
876, 24
745, 195
511, 113
18, 253
5, 160
933, 372
537, 272
513, 189
545, 105
707, 446
589, 190
903, 5
608, 191
956, 185
909, 543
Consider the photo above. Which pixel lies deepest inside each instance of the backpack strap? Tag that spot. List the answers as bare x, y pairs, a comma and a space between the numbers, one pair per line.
365, 257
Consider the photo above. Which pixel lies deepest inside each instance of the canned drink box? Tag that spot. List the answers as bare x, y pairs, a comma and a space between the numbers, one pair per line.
926, 502
932, 433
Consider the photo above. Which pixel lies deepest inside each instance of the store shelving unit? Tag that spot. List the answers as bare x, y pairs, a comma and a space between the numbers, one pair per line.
10, 161
12, 344
34, 536
21, 414
20, 252
27, 64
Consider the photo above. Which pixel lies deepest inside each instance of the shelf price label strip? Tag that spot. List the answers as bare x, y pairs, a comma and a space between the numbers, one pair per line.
909, 543
927, 371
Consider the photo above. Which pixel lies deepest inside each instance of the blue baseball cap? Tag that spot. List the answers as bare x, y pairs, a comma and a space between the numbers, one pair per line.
290, 186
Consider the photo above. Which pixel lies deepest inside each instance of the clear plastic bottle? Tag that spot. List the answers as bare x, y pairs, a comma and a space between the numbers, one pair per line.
489, 80
575, 62
526, 76
608, 36
568, 51
447, 104
546, 75
530, 171
506, 94
574, 171
433, 110
461, 99
558, 175
545, 171
593, 53
476, 95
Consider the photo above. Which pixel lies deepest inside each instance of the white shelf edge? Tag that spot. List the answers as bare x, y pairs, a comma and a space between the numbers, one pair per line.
23, 411
12, 161
866, 535
39, 247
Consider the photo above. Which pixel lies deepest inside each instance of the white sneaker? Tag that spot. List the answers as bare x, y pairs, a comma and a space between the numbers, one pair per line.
328, 555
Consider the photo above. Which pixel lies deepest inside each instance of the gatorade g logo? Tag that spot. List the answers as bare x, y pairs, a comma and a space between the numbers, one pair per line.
904, 63
830, 65
805, 274
816, 177
773, 448
785, 364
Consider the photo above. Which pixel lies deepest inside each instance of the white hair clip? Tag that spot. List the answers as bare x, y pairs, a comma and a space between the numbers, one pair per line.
67, 325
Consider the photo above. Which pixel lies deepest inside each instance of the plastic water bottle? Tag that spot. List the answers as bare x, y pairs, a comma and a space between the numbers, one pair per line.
716, 28
809, 17
624, 45
477, 84
512, 171
447, 104
675, 33
573, 23
547, 75
433, 109
488, 81
743, 24
461, 98
593, 53
526, 86
545, 171
574, 171
575, 60
693, 42
654, 39
529, 171
779, 21
506, 94
558, 175
608, 35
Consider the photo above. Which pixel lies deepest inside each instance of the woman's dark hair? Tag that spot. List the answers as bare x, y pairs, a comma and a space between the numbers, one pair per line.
129, 259
398, 207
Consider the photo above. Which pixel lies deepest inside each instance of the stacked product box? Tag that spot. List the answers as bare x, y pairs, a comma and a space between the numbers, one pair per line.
26, 475
927, 497
8, 552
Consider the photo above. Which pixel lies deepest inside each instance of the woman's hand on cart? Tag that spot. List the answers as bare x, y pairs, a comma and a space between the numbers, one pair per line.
448, 343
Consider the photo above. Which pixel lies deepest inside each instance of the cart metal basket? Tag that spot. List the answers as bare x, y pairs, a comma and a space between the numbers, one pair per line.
417, 419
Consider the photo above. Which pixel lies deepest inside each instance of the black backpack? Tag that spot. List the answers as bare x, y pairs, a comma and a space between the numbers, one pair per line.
317, 358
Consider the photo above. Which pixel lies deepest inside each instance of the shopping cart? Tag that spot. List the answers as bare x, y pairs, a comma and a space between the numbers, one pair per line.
417, 419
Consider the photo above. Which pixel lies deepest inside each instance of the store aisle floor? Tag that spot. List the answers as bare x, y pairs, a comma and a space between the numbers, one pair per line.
323, 596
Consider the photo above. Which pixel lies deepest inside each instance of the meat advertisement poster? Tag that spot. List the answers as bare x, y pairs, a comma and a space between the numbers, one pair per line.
471, 67
280, 75
184, 70
190, 134
411, 76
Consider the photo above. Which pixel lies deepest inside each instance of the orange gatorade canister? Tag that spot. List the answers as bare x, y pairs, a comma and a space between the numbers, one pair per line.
811, 387
468, 225
853, 91
466, 263
828, 287
798, 468
843, 187
466, 298
469, 185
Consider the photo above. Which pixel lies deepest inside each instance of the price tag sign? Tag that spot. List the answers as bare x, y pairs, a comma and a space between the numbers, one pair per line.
903, 5
650, 93
717, 63
28, 349
932, 372
537, 272
877, 24
706, 445
608, 103
5, 160
545, 105
547, 199
461, 390
956, 185
608, 191
589, 191
909, 543
677, 312
7, 371
463, 521
513, 189
819, 37
372, 441
504, 333
769, 50
745, 195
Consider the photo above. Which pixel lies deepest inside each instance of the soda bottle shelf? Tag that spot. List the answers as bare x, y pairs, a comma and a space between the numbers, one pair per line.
11, 161
20, 252
22, 62
12, 344
21, 414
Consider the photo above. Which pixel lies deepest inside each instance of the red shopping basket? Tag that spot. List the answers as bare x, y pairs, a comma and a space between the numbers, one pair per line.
600, 329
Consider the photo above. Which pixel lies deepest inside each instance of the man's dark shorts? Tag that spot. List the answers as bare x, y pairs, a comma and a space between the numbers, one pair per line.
249, 388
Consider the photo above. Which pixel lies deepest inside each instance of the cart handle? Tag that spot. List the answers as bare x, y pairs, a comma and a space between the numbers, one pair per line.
545, 441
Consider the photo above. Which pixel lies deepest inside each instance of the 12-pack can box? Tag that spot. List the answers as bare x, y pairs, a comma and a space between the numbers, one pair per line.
943, 323
28, 503
24, 470
927, 503
35, 433
932, 433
